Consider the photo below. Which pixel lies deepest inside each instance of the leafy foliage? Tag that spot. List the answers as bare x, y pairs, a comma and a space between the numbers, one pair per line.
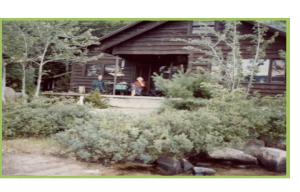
96, 99
218, 121
223, 49
39, 118
101, 28
185, 86
278, 24
13, 78
261, 115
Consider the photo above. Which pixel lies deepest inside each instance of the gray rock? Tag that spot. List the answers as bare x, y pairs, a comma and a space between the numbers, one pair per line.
203, 171
225, 153
169, 165
253, 146
186, 165
9, 94
272, 159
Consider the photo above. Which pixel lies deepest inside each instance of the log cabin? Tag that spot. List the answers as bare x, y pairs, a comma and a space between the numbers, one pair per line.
144, 47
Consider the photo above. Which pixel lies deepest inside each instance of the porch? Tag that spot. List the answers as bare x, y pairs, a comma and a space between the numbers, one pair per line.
129, 67
122, 101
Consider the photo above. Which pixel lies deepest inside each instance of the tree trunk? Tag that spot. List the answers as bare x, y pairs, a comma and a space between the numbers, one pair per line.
255, 61
38, 86
3, 81
24, 81
233, 58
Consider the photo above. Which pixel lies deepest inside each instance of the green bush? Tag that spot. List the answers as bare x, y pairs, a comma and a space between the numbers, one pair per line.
226, 119
96, 99
186, 86
39, 118
106, 138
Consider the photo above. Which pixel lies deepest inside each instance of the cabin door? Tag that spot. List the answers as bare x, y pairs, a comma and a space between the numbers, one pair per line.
144, 71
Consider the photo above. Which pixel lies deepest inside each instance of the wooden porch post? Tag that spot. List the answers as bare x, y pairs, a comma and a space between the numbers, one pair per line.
52, 83
115, 78
171, 70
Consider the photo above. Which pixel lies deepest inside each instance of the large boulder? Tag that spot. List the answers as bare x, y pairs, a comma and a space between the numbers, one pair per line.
226, 153
272, 159
253, 146
169, 165
202, 171
9, 94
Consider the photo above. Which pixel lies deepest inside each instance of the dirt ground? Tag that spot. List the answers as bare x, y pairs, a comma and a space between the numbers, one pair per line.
22, 164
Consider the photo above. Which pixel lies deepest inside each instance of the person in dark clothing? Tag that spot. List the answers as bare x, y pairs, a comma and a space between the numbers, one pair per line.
99, 83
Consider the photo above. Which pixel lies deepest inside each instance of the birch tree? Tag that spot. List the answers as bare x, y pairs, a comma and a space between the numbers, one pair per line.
223, 49
259, 48
58, 41
14, 50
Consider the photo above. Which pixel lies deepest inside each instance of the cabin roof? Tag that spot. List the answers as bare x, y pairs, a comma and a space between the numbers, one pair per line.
119, 30
156, 24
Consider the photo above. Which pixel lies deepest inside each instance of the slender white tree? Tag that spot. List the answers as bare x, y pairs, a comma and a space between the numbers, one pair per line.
223, 49
59, 41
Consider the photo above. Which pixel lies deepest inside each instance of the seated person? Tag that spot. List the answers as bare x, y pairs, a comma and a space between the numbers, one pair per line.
137, 87
99, 84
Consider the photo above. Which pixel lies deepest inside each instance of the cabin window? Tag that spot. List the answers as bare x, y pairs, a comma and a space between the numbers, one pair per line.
267, 72
198, 27
278, 71
93, 70
262, 73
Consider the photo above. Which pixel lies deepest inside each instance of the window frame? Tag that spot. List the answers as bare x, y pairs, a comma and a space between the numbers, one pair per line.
190, 28
269, 72
85, 70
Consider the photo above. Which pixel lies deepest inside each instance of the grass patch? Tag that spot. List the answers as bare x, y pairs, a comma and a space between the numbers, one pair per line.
43, 146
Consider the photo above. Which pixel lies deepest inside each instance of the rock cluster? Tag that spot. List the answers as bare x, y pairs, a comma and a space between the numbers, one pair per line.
171, 166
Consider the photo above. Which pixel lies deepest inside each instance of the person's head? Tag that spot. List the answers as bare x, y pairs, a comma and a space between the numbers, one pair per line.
140, 79
100, 77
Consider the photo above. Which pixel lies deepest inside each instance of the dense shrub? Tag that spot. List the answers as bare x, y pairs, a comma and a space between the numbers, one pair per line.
39, 118
225, 119
105, 138
96, 99
184, 85
116, 138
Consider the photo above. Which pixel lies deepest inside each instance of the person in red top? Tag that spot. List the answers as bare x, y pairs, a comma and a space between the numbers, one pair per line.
137, 87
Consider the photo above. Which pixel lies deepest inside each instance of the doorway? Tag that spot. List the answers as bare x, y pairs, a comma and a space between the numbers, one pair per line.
144, 71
